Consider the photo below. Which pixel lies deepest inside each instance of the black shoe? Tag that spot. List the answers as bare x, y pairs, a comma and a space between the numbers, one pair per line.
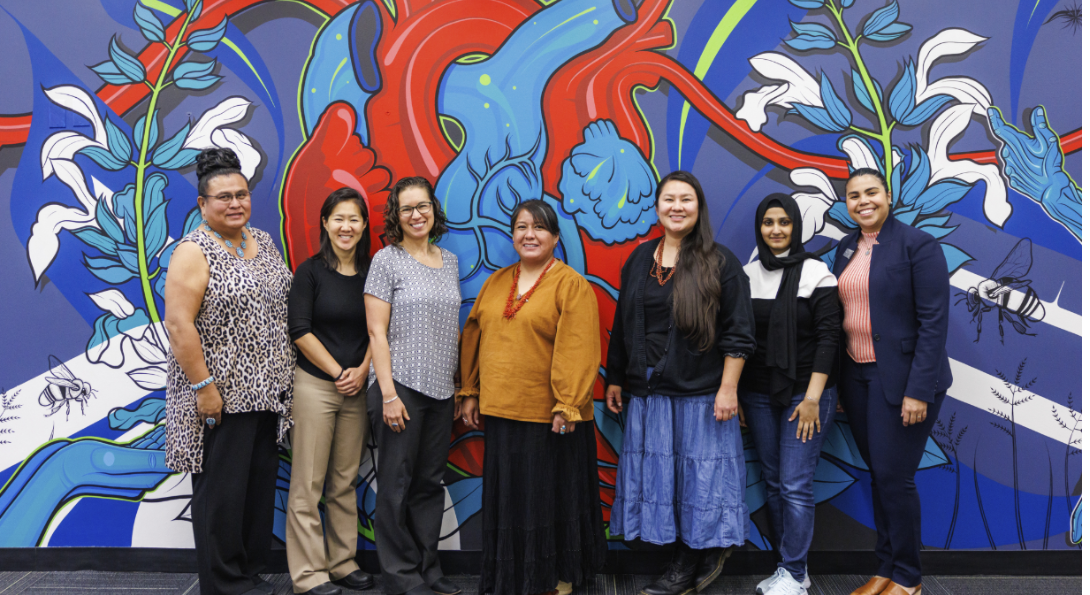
357, 581
678, 579
443, 586
420, 589
263, 586
710, 565
324, 589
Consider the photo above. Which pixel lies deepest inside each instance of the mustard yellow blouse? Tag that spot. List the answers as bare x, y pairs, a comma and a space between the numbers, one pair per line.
544, 360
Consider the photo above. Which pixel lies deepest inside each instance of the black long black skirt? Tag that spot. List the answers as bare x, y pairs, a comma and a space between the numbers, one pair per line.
542, 519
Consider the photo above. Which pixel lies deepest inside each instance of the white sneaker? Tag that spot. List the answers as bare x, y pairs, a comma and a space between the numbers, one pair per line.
764, 586
785, 584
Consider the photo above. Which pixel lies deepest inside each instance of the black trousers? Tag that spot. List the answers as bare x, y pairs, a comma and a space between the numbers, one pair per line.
233, 502
893, 453
409, 504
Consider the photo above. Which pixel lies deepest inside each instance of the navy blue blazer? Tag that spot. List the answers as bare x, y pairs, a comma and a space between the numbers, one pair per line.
909, 310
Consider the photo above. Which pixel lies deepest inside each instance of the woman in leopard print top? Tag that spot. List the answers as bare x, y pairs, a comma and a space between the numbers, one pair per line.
230, 381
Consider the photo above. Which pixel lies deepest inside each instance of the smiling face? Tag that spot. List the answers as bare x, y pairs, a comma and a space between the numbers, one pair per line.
414, 224
776, 228
678, 208
868, 202
533, 241
227, 215
345, 226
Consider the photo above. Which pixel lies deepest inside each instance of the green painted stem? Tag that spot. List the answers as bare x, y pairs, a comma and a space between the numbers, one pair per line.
141, 168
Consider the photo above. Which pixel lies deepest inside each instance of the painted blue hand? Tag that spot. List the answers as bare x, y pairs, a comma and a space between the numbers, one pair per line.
1034, 166
608, 186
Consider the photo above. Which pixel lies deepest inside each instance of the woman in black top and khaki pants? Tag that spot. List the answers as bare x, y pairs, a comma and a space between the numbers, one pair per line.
327, 322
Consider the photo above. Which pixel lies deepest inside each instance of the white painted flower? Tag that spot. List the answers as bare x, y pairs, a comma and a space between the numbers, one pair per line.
944, 130
44, 242
148, 341
813, 206
798, 86
65, 144
950, 42
208, 132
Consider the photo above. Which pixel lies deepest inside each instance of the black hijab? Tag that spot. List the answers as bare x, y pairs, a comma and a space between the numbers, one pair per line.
781, 350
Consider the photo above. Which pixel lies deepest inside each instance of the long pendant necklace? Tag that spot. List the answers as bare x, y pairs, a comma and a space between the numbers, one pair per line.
515, 303
656, 270
239, 249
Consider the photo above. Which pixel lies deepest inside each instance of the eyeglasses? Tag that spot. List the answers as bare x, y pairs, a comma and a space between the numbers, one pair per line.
423, 208
227, 197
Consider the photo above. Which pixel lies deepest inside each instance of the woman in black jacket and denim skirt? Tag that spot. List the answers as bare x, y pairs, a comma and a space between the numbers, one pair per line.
682, 330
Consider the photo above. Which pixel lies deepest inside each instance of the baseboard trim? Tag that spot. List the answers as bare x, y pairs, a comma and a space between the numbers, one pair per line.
742, 562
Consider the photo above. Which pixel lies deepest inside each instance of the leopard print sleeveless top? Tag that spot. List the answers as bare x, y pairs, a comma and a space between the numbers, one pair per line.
243, 325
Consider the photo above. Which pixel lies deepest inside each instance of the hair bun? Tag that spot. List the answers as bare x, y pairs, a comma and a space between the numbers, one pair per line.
211, 160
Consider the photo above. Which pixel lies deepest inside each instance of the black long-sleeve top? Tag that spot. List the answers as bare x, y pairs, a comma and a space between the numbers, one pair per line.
817, 328
683, 370
330, 305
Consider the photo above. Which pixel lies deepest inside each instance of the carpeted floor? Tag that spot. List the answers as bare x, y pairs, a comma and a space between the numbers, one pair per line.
149, 583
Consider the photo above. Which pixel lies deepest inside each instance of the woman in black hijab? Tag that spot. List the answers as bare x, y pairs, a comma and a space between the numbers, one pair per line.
786, 391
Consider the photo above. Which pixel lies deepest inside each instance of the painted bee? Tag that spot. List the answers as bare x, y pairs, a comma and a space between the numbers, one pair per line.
994, 293
63, 389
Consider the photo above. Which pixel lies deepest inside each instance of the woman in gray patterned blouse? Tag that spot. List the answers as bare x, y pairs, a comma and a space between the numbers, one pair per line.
229, 386
412, 299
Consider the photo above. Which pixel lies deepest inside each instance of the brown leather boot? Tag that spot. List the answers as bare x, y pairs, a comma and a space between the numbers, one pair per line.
875, 586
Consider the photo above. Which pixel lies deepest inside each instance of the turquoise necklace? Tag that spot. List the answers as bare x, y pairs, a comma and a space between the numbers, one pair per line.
239, 249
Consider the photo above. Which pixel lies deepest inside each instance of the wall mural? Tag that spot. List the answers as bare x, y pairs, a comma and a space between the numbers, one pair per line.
971, 110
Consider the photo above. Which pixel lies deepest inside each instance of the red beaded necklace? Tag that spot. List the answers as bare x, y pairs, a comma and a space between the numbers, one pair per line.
515, 304
656, 270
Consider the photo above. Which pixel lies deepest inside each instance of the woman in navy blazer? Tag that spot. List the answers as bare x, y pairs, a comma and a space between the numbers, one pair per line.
894, 371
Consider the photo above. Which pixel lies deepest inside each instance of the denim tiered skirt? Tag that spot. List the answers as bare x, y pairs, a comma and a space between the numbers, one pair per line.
681, 474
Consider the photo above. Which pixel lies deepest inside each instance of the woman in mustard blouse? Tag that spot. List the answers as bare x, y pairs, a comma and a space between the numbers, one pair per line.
530, 355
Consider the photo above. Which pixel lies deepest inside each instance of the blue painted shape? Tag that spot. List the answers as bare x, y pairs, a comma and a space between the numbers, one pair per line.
331, 72
1028, 19
97, 522
465, 496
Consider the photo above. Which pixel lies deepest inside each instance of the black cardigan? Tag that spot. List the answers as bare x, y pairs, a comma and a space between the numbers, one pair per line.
683, 371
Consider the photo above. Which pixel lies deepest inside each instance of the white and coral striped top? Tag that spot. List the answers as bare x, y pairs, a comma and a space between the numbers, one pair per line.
854, 288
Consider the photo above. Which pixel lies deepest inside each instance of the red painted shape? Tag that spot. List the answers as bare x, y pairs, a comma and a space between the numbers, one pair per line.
333, 158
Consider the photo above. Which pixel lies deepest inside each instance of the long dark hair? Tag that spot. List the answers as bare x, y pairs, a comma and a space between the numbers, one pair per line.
325, 251
392, 221
212, 163
698, 270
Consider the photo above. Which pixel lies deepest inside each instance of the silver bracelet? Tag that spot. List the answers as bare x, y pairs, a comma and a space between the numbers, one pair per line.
814, 399
390, 401
202, 384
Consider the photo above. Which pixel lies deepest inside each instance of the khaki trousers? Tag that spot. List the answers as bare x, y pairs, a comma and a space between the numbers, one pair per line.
327, 441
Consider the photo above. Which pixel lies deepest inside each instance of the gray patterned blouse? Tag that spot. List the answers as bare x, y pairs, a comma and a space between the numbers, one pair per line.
423, 332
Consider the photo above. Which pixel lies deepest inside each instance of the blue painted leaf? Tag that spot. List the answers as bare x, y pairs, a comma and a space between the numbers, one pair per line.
860, 90
808, 4
804, 43
817, 116
104, 158
127, 65
847, 3
108, 270
840, 444
881, 18
155, 231
117, 141
828, 258
189, 4
129, 258
204, 40
1076, 523
955, 257
149, 24
839, 213
813, 29
933, 456
154, 188
829, 481
908, 217
97, 239
936, 220
109, 73
123, 208
194, 9
893, 31
160, 284
108, 222
197, 84
138, 133
925, 110
192, 221
942, 194
917, 178
183, 158
170, 148
834, 106
903, 97
937, 231
189, 70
